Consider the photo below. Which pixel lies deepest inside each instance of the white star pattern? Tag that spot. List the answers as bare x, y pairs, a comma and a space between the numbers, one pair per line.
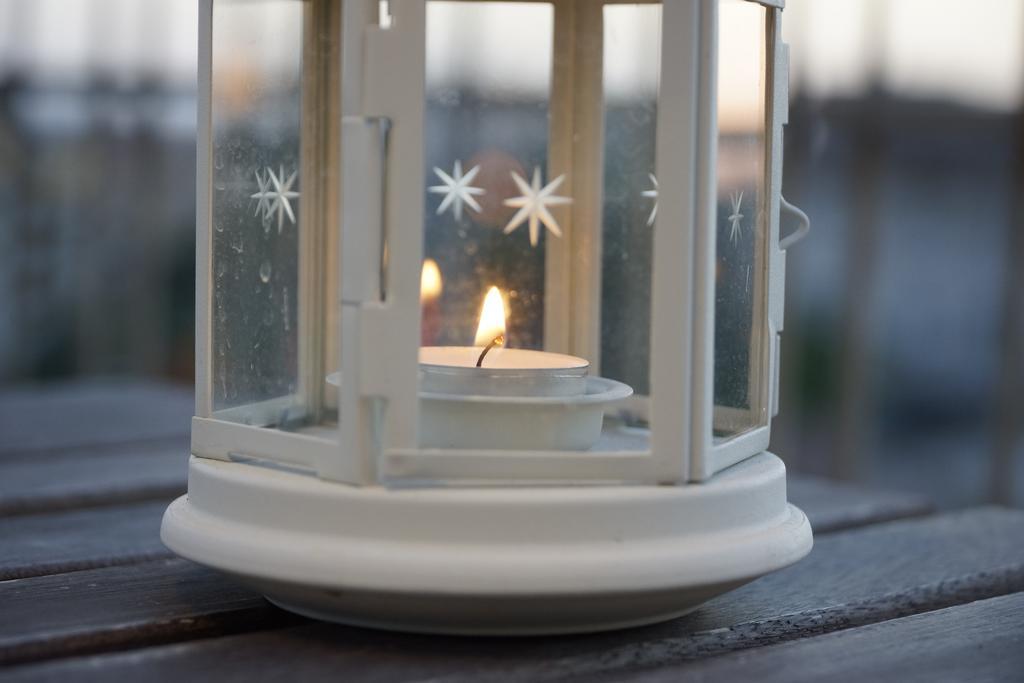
274, 196
735, 229
533, 205
457, 190
263, 207
652, 194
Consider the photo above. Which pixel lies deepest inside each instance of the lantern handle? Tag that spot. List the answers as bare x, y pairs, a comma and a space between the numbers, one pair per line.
803, 224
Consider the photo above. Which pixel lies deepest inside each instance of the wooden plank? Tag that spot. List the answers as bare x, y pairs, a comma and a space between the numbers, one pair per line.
107, 609
125, 473
851, 578
35, 545
982, 641
38, 544
74, 540
158, 470
88, 444
48, 417
93, 476
832, 506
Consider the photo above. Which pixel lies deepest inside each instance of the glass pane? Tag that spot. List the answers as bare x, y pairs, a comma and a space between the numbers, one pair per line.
740, 300
495, 212
264, 212
488, 78
488, 83
632, 58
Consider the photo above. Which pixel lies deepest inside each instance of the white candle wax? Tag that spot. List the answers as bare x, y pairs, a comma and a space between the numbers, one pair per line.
504, 372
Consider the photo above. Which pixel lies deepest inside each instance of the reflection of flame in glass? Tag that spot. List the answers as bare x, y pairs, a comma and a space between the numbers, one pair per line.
430, 281
492, 318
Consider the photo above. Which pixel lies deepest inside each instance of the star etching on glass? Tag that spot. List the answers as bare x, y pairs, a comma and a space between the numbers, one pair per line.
274, 196
457, 190
533, 205
263, 195
652, 194
735, 228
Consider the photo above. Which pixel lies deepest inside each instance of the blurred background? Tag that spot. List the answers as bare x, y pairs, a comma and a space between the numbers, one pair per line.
902, 363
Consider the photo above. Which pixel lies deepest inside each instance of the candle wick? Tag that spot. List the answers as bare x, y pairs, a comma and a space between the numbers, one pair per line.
497, 341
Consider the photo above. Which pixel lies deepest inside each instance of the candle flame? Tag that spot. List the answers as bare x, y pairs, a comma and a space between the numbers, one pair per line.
492, 318
430, 281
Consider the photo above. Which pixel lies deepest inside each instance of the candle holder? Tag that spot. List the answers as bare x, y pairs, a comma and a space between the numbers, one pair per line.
489, 303
512, 409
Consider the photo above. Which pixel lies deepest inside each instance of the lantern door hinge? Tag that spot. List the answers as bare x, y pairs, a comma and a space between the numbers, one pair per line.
364, 141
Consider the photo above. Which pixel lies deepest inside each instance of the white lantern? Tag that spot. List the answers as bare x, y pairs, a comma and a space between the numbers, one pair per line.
489, 297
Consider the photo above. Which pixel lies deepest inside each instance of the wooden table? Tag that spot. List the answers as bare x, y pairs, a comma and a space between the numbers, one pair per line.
87, 591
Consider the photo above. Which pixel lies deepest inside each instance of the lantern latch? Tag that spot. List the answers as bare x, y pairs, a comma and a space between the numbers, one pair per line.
794, 224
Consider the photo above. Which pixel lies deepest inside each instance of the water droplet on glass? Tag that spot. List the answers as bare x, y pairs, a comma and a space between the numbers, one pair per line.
218, 160
449, 97
218, 227
221, 268
640, 117
265, 271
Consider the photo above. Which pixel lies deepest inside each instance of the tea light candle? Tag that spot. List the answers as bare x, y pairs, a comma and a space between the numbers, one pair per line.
489, 369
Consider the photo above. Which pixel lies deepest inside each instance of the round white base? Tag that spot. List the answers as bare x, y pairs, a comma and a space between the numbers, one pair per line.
488, 561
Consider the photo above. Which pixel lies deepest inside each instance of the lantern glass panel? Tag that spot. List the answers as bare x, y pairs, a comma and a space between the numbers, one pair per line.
487, 112
632, 62
741, 334
267, 333
508, 144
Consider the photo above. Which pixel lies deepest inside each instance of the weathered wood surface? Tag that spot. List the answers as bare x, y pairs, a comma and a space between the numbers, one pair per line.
92, 444
125, 607
981, 641
157, 470
96, 475
36, 545
96, 444
851, 578
831, 506
62, 535
87, 591
76, 415
89, 537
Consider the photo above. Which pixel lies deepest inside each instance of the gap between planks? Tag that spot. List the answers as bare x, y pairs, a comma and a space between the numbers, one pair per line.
852, 578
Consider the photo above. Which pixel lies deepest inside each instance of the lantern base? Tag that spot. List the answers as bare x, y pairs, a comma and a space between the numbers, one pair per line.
488, 561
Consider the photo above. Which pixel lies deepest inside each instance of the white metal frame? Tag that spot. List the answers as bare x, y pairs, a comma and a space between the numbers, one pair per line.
382, 110
204, 204
224, 433
711, 456
381, 380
